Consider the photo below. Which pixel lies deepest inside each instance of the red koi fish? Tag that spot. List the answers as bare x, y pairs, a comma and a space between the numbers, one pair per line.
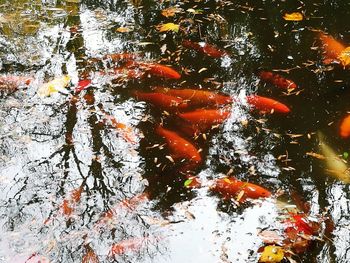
196, 97
69, 203
179, 147
231, 188
266, 104
11, 83
126, 131
204, 48
345, 127
163, 101
203, 119
331, 47
82, 84
277, 80
155, 69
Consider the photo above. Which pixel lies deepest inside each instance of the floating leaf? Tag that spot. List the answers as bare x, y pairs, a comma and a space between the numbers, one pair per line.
56, 85
168, 27
123, 29
195, 11
272, 254
344, 57
171, 11
296, 16
188, 182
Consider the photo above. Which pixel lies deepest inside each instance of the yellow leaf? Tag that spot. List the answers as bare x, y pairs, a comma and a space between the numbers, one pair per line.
171, 11
168, 27
123, 29
272, 254
296, 16
56, 85
344, 57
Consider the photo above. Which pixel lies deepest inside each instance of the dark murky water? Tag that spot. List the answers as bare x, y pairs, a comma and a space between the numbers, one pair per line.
53, 145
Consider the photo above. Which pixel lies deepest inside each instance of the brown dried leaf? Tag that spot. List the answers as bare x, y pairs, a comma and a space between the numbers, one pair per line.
316, 155
171, 11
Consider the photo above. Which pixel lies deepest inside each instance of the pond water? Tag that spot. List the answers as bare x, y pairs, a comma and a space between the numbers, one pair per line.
90, 167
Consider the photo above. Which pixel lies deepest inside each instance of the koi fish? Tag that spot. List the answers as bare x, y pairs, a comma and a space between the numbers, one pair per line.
231, 187
196, 97
128, 73
205, 119
335, 166
179, 147
10, 82
128, 245
204, 48
331, 47
82, 84
129, 203
126, 131
69, 203
345, 127
117, 57
163, 101
266, 104
277, 80
155, 69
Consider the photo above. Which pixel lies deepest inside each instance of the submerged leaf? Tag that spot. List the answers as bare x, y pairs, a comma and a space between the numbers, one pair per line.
187, 182
344, 57
56, 85
171, 11
123, 29
334, 165
168, 27
296, 16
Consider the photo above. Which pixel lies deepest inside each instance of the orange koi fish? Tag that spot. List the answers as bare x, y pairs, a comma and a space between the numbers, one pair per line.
204, 48
266, 104
277, 80
117, 57
163, 101
179, 147
130, 203
231, 187
155, 69
196, 97
331, 47
204, 119
127, 245
129, 73
9, 82
345, 127
126, 131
